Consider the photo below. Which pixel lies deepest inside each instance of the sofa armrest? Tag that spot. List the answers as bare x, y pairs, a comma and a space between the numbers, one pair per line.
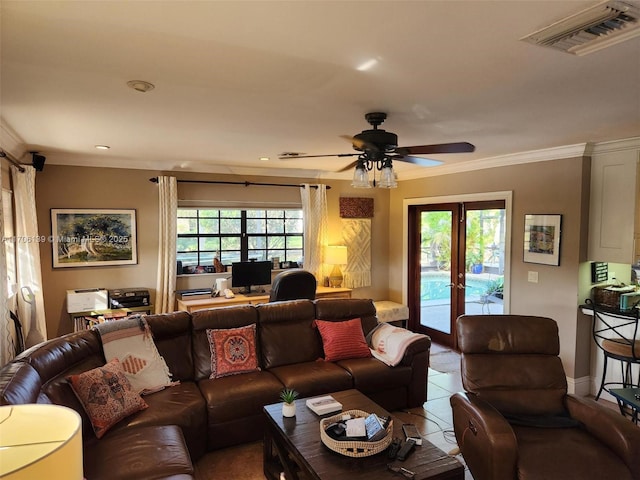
610, 428
484, 437
414, 348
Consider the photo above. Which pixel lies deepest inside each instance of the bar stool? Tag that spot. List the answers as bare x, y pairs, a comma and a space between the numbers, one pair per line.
616, 334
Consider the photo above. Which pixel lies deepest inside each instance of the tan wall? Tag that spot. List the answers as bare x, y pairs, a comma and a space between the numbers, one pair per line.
76, 187
551, 187
545, 187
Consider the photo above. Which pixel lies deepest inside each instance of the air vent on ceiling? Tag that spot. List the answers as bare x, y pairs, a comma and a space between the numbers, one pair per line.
592, 29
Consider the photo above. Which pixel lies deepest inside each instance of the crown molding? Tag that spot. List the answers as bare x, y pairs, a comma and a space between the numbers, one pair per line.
10, 141
531, 156
616, 145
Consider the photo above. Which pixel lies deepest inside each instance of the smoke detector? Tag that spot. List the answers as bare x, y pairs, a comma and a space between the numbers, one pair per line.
141, 85
590, 30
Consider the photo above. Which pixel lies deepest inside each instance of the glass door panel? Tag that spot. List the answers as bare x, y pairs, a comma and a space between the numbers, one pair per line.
435, 270
484, 261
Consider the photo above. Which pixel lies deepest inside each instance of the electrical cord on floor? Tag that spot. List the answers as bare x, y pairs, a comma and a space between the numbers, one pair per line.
448, 435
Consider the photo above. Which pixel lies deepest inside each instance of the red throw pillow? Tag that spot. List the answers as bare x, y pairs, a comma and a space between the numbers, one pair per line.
343, 340
233, 351
106, 395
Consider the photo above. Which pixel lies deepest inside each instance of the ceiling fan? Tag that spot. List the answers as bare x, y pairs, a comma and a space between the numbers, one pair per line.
379, 147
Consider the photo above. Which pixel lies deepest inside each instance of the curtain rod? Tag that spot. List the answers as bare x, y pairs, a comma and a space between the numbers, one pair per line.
11, 160
246, 184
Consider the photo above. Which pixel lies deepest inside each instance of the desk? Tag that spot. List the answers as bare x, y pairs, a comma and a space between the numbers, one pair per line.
217, 302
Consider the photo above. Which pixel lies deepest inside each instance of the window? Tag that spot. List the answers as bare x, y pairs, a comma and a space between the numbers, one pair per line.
235, 235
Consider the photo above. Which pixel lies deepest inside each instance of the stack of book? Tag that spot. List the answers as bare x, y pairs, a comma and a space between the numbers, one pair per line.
323, 405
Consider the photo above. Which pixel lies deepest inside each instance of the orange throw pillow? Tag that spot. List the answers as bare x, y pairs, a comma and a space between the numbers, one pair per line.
106, 395
343, 339
233, 351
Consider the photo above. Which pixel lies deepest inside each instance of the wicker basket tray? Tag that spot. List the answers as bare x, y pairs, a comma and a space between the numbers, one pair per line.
609, 296
354, 448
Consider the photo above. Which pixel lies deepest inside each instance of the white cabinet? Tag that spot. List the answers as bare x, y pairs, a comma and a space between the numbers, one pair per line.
614, 211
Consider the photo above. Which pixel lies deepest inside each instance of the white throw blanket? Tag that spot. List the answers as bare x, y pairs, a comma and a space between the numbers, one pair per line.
130, 341
388, 343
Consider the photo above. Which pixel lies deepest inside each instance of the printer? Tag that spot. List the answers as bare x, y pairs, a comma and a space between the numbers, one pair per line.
86, 299
128, 298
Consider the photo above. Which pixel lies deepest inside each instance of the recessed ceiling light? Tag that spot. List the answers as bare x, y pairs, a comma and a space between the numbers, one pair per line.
367, 65
264, 159
141, 85
103, 147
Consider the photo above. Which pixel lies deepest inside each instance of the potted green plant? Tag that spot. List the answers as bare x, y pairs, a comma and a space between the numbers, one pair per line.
288, 397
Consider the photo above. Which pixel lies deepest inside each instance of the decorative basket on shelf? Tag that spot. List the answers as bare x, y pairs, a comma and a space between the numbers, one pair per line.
609, 296
354, 448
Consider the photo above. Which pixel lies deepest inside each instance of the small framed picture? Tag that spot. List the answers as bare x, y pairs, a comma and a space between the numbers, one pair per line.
542, 239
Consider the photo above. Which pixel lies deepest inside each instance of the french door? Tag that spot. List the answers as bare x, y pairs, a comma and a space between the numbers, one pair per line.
456, 264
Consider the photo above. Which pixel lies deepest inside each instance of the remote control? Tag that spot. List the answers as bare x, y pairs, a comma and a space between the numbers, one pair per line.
406, 449
393, 448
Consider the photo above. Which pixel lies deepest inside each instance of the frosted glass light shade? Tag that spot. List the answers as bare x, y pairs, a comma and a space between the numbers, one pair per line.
40, 441
360, 178
387, 178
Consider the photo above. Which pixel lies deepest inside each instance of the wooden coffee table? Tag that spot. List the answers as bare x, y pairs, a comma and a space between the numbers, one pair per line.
293, 446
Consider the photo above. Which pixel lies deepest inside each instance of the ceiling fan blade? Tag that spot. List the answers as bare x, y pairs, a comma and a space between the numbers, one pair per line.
360, 144
423, 162
348, 167
458, 147
294, 157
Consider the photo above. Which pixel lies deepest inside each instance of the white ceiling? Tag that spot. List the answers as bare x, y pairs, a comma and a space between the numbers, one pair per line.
239, 80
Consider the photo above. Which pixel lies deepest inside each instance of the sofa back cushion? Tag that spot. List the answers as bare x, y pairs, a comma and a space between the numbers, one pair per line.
172, 336
346, 309
216, 318
287, 333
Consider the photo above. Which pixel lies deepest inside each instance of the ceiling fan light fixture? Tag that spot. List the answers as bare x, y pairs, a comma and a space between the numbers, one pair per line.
360, 177
387, 178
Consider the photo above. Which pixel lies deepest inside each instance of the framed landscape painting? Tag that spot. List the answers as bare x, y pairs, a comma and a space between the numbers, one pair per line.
93, 237
542, 239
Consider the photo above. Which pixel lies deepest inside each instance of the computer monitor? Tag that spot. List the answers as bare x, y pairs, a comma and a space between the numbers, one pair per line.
247, 274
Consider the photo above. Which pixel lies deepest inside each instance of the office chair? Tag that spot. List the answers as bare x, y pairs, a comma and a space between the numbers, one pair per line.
293, 284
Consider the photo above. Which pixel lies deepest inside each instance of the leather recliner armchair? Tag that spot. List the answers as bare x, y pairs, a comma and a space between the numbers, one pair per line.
515, 419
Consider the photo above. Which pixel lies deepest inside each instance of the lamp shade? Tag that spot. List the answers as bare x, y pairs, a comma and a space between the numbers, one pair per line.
335, 255
40, 441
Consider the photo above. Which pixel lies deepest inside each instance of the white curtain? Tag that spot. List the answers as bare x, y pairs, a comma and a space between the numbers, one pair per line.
7, 342
314, 211
28, 272
167, 234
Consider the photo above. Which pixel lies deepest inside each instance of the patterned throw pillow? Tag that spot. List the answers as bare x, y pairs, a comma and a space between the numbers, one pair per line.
233, 351
343, 340
106, 395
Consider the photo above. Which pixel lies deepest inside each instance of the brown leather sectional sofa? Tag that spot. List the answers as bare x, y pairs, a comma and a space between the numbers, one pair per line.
201, 414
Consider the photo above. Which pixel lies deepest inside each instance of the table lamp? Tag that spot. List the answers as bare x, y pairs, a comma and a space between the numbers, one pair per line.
40, 441
335, 255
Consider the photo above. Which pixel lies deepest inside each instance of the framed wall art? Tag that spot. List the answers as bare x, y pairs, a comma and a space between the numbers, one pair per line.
93, 237
542, 239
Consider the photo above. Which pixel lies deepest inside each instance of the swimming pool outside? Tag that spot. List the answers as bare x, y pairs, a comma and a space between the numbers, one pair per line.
434, 286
